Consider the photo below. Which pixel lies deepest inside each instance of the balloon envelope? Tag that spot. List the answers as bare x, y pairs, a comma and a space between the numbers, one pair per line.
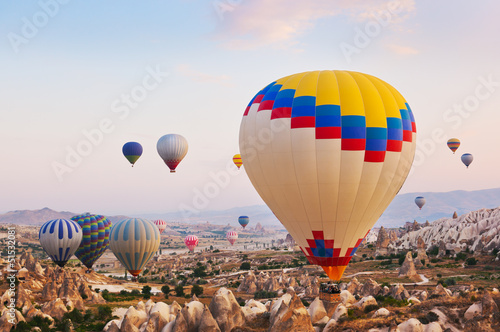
467, 159
172, 148
60, 238
132, 151
237, 160
348, 141
191, 241
243, 220
160, 224
232, 236
95, 231
420, 201
134, 242
453, 144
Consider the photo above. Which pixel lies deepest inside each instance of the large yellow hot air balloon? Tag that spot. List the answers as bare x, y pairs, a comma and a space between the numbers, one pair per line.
328, 151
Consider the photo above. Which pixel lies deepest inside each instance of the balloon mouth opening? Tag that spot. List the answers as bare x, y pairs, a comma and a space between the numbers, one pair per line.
334, 272
135, 273
61, 263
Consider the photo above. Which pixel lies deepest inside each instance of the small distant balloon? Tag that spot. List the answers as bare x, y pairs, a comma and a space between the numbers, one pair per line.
420, 201
232, 236
60, 238
191, 241
237, 160
132, 151
161, 224
172, 148
453, 144
243, 220
467, 159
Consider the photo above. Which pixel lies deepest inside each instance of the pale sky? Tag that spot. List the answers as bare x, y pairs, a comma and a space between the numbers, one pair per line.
67, 68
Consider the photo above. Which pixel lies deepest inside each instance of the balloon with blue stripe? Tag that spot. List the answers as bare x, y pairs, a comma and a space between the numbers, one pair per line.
134, 242
95, 229
60, 239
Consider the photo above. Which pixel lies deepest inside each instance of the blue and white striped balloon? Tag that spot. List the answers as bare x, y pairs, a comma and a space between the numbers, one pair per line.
134, 242
60, 238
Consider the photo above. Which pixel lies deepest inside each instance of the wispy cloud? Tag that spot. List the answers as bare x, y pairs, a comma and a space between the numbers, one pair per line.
259, 23
187, 71
403, 50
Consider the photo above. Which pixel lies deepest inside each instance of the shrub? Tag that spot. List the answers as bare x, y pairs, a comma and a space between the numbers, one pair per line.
245, 266
104, 312
461, 256
370, 307
471, 261
196, 290
165, 290
179, 291
450, 281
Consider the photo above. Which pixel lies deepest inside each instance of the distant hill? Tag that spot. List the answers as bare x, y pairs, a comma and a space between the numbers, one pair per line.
257, 213
438, 205
39, 217
401, 210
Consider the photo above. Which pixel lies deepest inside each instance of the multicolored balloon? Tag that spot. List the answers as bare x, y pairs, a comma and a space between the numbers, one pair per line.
172, 148
348, 140
232, 236
243, 220
60, 239
237, 160
95, 230
161, 224
191, 241
467, 159
453, 144
132, 151
420, 201
134, 242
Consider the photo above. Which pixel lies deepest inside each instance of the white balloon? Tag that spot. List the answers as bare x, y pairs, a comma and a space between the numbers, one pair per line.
172, 148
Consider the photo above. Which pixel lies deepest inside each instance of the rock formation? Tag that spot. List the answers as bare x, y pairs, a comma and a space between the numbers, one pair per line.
408, 268
226, 310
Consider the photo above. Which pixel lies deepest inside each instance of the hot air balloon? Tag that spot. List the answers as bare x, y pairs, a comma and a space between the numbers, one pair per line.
348, 140
191, 241
60, 238
134, 242
232, 236
243, 220
237, 160
172, 148
467, 159
160, 224
453, 144
420, 201
95, 230
132, 151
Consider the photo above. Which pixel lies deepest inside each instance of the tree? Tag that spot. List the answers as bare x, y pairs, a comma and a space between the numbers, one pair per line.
146, 290
179, 291
245, 266
165, 289
471, 261
197, 290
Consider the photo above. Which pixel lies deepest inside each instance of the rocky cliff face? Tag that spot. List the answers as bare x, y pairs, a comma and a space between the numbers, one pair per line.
478, 230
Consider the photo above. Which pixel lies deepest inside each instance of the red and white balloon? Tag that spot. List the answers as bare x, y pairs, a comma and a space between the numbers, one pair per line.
191, 241
232, 236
